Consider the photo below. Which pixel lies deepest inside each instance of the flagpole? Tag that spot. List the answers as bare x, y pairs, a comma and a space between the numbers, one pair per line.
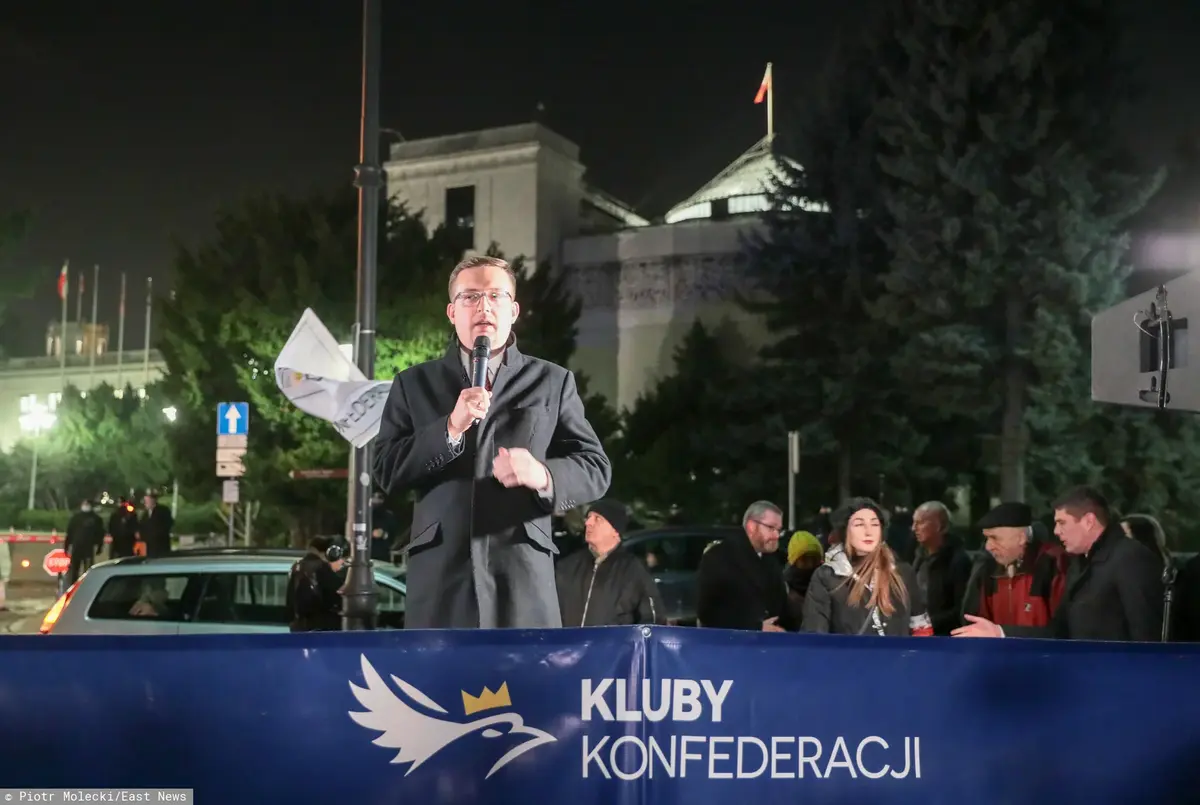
79, 304
149, 310
95, 343
766, 92
64, 291
770, 103
121, 340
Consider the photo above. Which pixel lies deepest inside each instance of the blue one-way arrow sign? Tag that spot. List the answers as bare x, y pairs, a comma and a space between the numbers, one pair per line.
233, 418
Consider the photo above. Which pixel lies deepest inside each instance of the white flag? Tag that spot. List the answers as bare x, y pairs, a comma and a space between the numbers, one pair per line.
318, 378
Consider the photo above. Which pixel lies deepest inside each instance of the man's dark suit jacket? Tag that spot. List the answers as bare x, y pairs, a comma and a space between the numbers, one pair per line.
1113, 593
482, 555
155, 530
738, 589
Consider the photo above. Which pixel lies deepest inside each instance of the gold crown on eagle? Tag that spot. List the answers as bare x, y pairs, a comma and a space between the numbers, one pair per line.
487, 700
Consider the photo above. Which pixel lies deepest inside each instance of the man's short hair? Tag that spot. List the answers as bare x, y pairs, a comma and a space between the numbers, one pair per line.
481, 261
939, 509
757, 509
1084, 500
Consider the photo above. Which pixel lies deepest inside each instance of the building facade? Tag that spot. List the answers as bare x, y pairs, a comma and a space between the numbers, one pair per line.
642, 285
520, 187
82, 338
642, 291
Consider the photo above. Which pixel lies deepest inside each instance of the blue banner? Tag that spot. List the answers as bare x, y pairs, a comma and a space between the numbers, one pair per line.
619, 715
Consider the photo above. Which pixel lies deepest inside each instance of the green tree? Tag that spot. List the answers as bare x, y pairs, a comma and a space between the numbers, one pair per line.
1007, 214
99, 443
819, 263
237, 299
1146, 462
704, 441
118, 443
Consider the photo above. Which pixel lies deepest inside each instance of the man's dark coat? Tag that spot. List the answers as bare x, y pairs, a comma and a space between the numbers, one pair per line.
495, 568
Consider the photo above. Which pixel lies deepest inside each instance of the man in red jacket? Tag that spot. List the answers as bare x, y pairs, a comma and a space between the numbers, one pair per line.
1021, 579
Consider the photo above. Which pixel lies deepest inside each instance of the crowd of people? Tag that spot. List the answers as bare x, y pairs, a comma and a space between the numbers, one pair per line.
1099, 577
132, 533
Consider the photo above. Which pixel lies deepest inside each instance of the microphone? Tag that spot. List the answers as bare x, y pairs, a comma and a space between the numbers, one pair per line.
479, 361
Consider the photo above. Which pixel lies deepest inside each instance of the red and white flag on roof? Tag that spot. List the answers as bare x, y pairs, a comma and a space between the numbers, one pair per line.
63, 282
765, 86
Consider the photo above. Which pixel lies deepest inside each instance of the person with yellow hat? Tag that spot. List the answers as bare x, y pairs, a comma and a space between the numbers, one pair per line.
804, 556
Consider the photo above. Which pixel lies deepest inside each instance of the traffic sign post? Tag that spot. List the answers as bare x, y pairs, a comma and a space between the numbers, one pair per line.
233, 432
56, 562
233, 419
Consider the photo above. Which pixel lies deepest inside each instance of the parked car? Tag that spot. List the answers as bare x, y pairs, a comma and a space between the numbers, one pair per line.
211, 591
672, 555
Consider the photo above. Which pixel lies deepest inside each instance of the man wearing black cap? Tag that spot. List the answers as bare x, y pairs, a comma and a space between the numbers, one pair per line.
1113, 584
606, 585
1020, 580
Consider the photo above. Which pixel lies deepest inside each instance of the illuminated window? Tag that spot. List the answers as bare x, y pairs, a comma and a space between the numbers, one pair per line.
749, 204
28, 403
141, 393
54, 399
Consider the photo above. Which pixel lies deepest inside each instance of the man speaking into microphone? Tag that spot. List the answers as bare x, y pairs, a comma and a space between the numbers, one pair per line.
492, 442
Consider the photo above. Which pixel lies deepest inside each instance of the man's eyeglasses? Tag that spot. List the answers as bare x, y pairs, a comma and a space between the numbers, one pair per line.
472, 298
778, 529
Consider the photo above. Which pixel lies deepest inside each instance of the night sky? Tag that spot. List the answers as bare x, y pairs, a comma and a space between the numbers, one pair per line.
124, 124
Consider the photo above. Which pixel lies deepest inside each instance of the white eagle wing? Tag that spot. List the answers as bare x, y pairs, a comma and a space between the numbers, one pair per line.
416, 735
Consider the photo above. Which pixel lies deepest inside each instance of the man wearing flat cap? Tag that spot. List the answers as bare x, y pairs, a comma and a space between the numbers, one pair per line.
1020, 579
1113, 584
606, 585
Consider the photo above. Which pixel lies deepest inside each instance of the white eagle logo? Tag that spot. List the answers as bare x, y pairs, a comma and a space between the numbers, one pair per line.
419, 736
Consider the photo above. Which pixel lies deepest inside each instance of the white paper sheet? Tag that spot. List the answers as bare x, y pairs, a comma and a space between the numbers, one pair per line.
317, 377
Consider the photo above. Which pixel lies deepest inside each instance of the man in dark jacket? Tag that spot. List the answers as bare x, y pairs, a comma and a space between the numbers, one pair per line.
740, 583
155, 526
942, 566
85, 539
606, 585
489, 465
1114, 584
122, 527
313, 601
1020, 579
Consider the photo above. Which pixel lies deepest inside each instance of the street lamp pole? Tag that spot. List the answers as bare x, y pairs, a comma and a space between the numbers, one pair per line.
33, 477
360, 597
35, 419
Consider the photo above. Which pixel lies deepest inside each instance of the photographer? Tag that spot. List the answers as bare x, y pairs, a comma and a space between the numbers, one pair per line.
313, 599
